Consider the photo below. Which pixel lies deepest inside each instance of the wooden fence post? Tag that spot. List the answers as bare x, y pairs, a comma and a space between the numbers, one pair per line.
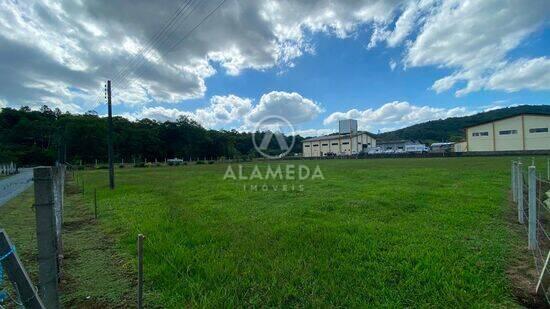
17, 273
46, 236
532, 208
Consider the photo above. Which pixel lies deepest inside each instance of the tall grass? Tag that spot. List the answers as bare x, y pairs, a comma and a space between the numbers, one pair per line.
407, 232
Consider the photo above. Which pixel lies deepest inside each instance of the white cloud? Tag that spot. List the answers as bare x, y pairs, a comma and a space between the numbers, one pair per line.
473, 38
291, 106
66, 43
393, 64
160, 113
221, 111
314, 132
232, 111
396, 114
523, 73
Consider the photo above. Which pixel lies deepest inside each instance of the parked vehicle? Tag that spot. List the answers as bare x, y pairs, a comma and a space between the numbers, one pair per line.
416, 148
442, 147
375, 150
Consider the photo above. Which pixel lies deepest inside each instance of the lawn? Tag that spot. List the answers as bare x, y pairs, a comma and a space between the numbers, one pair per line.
392, 232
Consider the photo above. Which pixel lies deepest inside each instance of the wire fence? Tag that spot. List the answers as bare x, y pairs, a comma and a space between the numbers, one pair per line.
531, 195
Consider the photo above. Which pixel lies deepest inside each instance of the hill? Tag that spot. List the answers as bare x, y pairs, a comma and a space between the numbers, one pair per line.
452, 129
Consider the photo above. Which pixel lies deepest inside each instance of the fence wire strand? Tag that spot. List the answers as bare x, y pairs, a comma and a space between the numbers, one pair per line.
542, 237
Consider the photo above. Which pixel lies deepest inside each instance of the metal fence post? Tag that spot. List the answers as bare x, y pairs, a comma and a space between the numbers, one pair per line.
95, 203
46, 236
17, 273
140, 271
58, 205
519, 185
514, 182
532, 208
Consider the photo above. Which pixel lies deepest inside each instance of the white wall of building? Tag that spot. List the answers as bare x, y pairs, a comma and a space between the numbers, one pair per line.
524, 132
340, 145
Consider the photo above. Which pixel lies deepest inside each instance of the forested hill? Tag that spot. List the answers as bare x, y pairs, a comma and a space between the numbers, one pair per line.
452, 129
30, 137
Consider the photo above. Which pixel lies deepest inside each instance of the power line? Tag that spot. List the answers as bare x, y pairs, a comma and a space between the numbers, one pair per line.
143, 57
187, 34
154, 40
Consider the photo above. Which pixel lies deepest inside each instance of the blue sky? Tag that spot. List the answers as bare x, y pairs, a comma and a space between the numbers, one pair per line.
310, 62
343, 74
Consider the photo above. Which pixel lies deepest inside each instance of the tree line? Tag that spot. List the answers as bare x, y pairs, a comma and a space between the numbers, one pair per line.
45, 136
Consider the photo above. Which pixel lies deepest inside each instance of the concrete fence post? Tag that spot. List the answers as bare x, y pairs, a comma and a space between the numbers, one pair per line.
46, 236
519, 185
532, 208
514, 182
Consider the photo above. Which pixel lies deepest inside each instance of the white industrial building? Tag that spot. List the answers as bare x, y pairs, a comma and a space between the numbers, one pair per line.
515, 133
347, 142
338, 144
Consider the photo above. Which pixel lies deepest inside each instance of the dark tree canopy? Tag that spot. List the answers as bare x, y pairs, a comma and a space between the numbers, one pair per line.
45, 136
452, 129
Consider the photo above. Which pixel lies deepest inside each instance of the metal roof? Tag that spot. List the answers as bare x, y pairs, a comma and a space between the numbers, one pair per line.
401, 141
507, 117
336, 136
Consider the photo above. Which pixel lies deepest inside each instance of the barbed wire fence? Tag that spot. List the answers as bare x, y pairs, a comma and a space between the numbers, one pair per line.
531, 195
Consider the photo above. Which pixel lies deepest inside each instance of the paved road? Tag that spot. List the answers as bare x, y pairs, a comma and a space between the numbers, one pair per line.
11, 186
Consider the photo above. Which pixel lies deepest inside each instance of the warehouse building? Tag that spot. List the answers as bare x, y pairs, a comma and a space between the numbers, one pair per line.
338, 144
347, 142
515, 133
396, 146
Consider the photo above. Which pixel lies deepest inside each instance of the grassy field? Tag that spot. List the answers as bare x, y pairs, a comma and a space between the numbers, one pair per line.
408, 232
94, 275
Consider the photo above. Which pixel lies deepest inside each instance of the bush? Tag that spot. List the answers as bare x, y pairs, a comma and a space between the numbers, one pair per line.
210, 162
102, 167
201, 162
121, 166
141, 164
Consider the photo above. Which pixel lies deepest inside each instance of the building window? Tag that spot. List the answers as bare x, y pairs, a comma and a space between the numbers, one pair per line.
508, 132
334, 144
538, 130
480, 133
325, 144
306, 145
345, 143
315, 145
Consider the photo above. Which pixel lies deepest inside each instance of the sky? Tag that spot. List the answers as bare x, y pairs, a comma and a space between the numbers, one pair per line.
228, 64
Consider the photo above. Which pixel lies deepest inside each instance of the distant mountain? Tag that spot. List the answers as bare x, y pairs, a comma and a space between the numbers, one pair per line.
452, 129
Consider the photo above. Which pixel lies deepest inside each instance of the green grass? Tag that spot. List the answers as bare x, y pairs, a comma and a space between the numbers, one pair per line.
406, 232
94, 275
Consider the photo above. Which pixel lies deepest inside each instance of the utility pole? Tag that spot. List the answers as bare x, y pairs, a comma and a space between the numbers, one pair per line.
110, 137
